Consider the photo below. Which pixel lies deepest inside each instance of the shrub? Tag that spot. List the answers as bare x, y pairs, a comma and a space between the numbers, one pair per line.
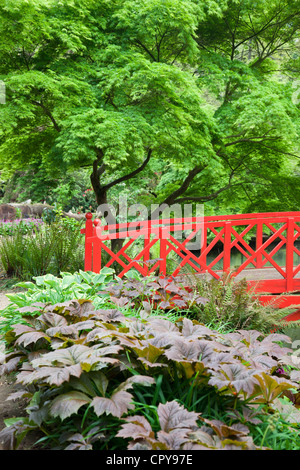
50, 289
153, 292
110, 382
24, 226
54, 248
224, 303
234, 305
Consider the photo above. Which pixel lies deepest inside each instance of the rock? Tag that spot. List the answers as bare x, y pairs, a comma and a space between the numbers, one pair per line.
9, 211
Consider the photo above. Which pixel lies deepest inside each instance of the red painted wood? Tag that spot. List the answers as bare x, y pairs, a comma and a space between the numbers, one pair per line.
227, 232
227, 247
290, 255
295, 316
280, 301
259, 242
88, 259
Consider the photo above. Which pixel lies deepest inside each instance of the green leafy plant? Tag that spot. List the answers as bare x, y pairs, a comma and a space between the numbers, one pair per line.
179, 430
155, 291
24, 226
50, 289
224, 304
231, 303
76, 364
54, 248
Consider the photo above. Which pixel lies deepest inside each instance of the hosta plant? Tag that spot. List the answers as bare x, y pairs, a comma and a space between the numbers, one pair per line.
50, 289
94, 372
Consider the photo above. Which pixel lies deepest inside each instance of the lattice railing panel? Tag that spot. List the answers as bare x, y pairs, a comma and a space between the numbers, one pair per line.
218, 240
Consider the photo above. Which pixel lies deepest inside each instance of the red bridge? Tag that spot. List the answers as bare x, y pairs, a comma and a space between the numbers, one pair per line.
259, 247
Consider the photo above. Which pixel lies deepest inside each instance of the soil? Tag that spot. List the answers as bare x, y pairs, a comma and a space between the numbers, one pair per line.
12, 408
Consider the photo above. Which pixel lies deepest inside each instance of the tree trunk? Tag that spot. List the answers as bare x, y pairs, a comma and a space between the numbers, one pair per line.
101, 190
101, 198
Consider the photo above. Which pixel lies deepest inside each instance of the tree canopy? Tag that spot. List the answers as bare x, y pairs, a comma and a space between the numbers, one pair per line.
201, 93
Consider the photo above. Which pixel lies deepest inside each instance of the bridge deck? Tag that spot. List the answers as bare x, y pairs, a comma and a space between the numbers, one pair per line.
264, 281
256, 274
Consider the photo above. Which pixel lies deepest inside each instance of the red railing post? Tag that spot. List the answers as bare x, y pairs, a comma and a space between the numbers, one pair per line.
227, 247
259, 242
163, 251
146, 256
88, 259
204, 244
290, 255
97, 252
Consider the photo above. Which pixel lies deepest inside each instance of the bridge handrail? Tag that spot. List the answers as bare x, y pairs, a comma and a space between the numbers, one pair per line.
225, 232
147, 227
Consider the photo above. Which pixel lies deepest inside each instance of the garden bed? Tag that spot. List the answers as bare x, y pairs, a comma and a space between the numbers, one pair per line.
118, 369
11, 409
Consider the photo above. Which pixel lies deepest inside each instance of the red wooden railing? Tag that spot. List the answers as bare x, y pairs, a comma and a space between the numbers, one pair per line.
227, 232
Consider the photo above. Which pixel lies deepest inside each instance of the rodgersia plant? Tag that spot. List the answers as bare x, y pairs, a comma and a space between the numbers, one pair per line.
143, 383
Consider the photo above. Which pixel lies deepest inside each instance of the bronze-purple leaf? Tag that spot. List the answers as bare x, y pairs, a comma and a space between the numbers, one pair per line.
237, 376
117, 405
52, 375
224, 431
65, 330
69, 403
136, 380
11, 364
160, 325
165, 304
174, 416
194, 330
19, 394
20, 329
136, 427
9, 436
173, 440
31, 337
184, 350
32, 308
52, 319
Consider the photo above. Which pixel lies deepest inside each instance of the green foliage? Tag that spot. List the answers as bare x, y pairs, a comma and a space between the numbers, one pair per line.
204, 85
54, 248
69, 190
23, 226
50, 289
232, 304
225, 304
79, 362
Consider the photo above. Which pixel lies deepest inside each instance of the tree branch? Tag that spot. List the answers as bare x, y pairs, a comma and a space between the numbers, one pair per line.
48, 113
106, 187
210, 197
181, 190
252, 139
146, 49
101, 170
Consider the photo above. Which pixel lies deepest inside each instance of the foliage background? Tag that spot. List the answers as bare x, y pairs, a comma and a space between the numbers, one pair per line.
165, 101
